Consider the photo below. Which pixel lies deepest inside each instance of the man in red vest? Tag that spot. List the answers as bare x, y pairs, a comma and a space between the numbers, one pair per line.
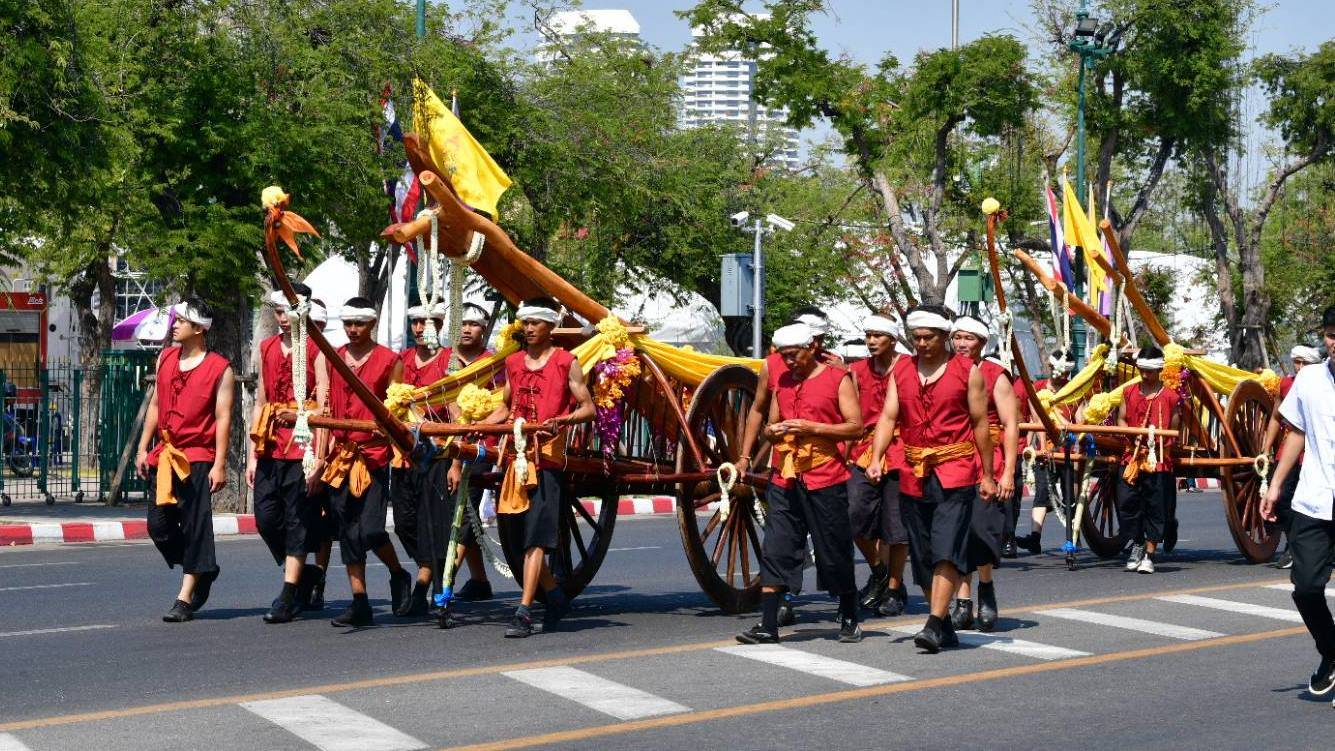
356, 464
938, 401
288, 520
878, 527
544, 386
969, 335
190, 416
1147, 479
814, 407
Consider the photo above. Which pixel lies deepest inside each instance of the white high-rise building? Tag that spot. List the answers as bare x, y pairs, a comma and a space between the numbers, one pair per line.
568, 24
721, 88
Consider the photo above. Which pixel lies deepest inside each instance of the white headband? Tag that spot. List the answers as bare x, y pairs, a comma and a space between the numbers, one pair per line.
1149, 363
357, 314
1061, 364
793, 335
318, 313
819, 326
880, 325
187, 312
971, 325
473, 314
537, 313
278, 300
1305, 354
855, 351
416, 312
925, 319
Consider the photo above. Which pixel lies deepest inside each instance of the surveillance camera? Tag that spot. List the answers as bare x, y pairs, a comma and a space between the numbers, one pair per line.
779, 222
739, 219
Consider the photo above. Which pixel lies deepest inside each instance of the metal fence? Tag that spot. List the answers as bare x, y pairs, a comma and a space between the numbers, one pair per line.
63, 438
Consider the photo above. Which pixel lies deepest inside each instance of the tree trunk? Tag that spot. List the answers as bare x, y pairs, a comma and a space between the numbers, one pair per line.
1228, 304
230, 337
1250, 349
94, 339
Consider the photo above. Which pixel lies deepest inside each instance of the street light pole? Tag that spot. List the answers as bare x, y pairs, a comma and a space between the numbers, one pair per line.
421, 19
758, 291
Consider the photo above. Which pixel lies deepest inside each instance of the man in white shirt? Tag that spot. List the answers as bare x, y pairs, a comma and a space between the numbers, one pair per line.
1309, 412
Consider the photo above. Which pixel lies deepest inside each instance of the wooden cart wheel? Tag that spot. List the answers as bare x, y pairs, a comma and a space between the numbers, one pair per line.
582, 537
724, 554
1246, 415
1098, 526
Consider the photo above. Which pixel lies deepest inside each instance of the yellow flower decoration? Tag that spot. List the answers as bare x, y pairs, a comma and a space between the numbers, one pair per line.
272, 196
991, 205
614, 331
511, 330
1270, 380
1175, 362
1045, 398
398, 399
475, 403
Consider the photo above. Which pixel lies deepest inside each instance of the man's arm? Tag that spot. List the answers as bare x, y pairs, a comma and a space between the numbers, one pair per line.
1288, 457
987, 489
1008, 409
1272, 426
756, 418
222, 416
885, 429
396, 372
502, 411
584, 411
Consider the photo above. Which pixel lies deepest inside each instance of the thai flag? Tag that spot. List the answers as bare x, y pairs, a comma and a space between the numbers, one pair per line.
407, 196
1061, 254
391, 127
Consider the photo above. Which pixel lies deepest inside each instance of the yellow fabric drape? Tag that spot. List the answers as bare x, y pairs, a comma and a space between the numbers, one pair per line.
795, 455
1077, 387
172, 462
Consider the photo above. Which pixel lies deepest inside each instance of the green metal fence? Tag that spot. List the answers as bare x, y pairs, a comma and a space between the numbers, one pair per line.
63, 439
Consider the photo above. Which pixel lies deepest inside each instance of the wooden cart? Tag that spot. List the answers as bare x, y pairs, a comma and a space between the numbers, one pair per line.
677, 431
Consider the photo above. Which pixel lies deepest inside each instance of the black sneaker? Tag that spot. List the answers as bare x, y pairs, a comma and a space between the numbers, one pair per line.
1323, 680
316, 600
987, 608
283, 611
849, 631
474, 590
895, 602
203, 587
356, 616
758, 635
787, 615
1008, 549
948, 636
1032, 543
180, 612
873, 591
400, 584
415, 603
928, 639
1285, 560
521, 627
961, 616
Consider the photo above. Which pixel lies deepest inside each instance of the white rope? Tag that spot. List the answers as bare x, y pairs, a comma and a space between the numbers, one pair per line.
301, 429
457, 265
484, 542
1110, 365
521, 446
429, 277
1154, 450
1030, 455
1006, 322
1262, 466
727, 478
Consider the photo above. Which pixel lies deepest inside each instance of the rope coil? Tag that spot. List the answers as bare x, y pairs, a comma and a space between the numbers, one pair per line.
727, 479
1030, 456
484, 542
302, 434
521, 448
1262, 466
429, 277
1006, 322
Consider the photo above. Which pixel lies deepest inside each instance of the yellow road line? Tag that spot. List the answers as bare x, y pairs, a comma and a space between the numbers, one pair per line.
441, 675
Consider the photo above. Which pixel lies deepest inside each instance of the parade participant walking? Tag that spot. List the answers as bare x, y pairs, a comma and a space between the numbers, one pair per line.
814, 408
412, 494
1309, 411
356, 465
969, 335
188, 421
287, 519
1147, 477
1062, 368
873, 508
544, 386
938, 400
1301, 357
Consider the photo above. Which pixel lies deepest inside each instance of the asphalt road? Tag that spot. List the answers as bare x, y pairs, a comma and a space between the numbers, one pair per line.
645, 661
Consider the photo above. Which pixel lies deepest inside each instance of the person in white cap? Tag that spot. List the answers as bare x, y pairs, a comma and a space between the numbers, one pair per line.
1061, 368
873, 508
188, 423
1144, 487
287, 518
969, 335
814, 409
1301, 356
355, 467
938, 401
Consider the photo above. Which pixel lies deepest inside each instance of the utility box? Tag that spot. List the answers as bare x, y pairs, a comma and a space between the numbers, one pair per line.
973, 284
736, 285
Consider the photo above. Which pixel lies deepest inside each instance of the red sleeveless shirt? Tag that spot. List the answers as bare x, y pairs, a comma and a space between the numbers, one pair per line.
936, 415
872, 388
539, 395
276, 368
993, 372
187, 403
375, 373
817, 399
425, 375
1143, 412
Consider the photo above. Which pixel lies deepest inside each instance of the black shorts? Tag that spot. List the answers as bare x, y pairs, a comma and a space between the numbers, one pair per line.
287, 520
986, 530
405, 497
537, 527
361, 521
1042, 487
939, 526
183, 531
873, 510
1144, 508
794, 513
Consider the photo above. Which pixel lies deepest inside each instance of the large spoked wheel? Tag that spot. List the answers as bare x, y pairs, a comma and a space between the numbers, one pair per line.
724, 554
582, 536
1246, 415
1098, 525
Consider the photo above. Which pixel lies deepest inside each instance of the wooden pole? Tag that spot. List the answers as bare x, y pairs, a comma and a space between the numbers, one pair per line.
1130, 289
1072, 300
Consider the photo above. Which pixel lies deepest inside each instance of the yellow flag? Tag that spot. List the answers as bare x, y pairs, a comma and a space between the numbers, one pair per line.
477, 178
1080, 231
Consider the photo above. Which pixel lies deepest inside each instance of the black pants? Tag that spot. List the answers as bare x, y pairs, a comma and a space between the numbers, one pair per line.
1284, 507
406, 486
183, 531
1013, 505
794, 513
361, 521
939, 525
1144, 508
537, 527
1312, 543
288, 521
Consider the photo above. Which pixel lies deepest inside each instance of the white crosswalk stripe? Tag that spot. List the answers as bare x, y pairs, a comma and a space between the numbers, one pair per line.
330, 726
600, 694
1232, 606
842, 671
1031, 649
10, 743
1156, 628
1288, 587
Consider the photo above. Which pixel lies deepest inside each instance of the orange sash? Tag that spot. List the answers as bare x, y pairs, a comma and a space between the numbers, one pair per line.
266, 425
172, 462
864, 461
795, 455
923, 458
513, 497
348, 464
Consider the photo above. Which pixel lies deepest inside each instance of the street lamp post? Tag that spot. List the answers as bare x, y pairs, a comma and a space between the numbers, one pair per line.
769, 224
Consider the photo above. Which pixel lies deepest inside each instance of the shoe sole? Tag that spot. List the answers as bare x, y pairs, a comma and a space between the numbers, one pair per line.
747, 639
927, 646
1314, 692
